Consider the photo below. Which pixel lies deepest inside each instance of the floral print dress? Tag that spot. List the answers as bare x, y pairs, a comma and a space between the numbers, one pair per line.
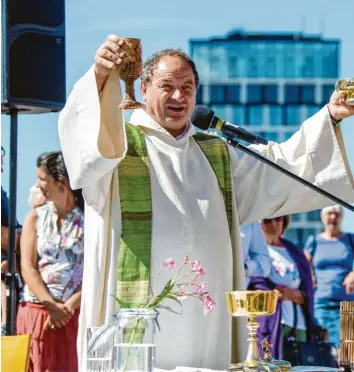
60, 253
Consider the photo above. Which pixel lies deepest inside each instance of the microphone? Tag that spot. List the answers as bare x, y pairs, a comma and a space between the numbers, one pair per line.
204, 118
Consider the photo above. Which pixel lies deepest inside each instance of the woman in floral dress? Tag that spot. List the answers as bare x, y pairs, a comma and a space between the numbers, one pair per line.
52, 254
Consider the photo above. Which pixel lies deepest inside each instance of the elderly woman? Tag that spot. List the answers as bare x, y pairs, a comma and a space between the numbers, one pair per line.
291, 276
331, 254
52, 254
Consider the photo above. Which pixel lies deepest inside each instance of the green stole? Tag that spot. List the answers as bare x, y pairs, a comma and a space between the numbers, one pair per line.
136, 208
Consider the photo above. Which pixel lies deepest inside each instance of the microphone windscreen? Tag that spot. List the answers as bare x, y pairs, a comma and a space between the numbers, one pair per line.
202, 117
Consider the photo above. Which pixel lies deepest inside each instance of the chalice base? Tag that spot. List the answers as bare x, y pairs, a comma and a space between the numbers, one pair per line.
130, 105
262, 367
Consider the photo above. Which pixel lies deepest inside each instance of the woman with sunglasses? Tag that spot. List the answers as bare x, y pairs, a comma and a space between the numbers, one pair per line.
291, 276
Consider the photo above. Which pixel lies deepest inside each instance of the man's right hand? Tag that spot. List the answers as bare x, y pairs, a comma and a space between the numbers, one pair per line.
108, 56
59, 314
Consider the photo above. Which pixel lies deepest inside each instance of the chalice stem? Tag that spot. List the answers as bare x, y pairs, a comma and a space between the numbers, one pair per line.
129, 90
252, 359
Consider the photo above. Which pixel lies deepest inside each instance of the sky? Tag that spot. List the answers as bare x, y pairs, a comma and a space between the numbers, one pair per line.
160, 24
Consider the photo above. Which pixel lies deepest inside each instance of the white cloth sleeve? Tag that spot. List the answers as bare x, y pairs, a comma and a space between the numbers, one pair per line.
92, 136
312, 153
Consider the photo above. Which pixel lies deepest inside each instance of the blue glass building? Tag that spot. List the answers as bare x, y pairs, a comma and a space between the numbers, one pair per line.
269, 83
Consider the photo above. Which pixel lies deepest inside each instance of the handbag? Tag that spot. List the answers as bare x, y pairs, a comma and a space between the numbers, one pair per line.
316, 353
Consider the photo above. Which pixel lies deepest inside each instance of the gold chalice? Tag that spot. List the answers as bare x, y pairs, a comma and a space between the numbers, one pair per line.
346, 86
253, 304
130, 70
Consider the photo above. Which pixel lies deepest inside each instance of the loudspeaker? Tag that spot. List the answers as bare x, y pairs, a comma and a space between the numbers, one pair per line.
33, 51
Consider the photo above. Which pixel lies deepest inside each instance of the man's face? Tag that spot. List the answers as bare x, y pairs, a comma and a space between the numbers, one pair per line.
170, 96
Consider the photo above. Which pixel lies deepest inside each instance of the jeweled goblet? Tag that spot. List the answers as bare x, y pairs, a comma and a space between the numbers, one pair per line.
346, 86
130, 70
253, 304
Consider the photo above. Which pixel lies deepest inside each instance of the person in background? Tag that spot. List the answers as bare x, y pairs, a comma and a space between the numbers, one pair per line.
52, 252
331, 254
255, 252
291, 276
4, 249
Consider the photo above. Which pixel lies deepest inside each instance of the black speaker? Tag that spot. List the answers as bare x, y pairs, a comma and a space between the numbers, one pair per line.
33, 51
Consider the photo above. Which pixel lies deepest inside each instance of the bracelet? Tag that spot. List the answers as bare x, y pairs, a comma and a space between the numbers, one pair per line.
335, 122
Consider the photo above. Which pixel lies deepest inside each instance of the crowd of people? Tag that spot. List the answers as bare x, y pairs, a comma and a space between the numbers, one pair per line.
155, 188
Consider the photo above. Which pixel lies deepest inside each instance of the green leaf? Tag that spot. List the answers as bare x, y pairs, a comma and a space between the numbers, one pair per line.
162, 306
174, 298
121, 303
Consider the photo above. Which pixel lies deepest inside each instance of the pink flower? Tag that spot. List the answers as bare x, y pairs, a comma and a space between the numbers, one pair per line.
200, 272
169, 263
209, 304
201, 287
186, 259
195, 265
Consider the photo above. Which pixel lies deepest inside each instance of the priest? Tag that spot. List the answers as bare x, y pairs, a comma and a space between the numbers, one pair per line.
155, 188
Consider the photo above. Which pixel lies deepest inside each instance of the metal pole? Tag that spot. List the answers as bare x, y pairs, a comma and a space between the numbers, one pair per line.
11, 276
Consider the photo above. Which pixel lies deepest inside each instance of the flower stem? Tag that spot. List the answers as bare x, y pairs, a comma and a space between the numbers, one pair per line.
130, 344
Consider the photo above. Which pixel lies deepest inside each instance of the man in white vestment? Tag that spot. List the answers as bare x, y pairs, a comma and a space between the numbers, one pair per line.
189, 216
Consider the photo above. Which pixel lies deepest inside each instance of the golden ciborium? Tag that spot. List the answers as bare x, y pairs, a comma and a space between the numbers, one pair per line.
253, 304
346, 86
130, 70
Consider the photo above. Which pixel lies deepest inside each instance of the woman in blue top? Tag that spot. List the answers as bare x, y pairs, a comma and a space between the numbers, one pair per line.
331, 254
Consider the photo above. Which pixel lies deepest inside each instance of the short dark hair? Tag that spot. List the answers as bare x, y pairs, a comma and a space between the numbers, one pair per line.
152, 62
53, 164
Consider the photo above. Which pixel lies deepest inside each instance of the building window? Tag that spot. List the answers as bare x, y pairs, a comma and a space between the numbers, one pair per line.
272, 136
327, 91
296, 217
238, 115
289, 67
308, 94
314, 215
219, 111
292, 94
199, 95
217, 93
252, 67
233, 93
330, 67
292, 115
233, 67
288, 135
270, 93
308, 68
271, 67
214, 64
312, 110
254, 93
276, 115
255, 115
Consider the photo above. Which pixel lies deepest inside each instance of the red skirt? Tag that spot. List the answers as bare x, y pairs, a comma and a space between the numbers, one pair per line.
50, 350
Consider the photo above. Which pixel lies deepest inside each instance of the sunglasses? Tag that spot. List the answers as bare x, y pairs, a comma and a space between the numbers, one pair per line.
269, 220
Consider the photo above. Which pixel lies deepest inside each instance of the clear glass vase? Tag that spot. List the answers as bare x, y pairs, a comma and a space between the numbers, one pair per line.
133, 345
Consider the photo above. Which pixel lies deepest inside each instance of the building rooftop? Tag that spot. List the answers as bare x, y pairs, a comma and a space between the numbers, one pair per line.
242, 35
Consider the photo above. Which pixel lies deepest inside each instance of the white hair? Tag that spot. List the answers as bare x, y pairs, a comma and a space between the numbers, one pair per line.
333, 208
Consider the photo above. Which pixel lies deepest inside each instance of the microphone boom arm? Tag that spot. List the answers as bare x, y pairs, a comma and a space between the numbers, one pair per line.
248, 151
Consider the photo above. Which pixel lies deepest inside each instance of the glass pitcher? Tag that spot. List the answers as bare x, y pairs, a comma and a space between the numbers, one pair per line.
133, 341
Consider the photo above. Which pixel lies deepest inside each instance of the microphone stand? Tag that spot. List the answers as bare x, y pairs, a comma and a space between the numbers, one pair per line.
248, 151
